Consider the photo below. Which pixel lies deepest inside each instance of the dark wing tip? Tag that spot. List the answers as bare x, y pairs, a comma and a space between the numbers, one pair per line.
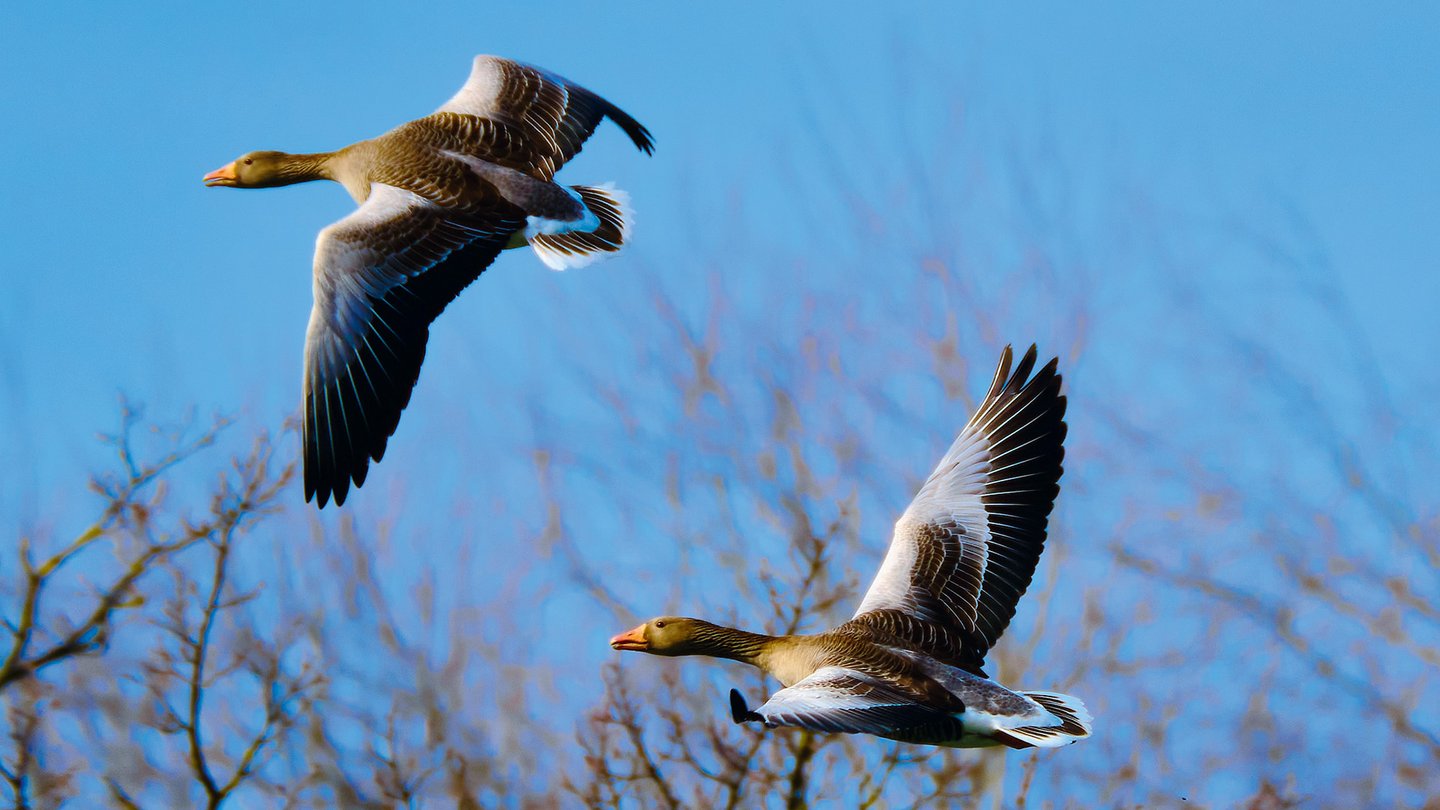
1028, 413
341, 490
639, 135
1024, 374
1002, 375
324, 488
309, 480
1021, 374
1052, 368
331, 462
309, 439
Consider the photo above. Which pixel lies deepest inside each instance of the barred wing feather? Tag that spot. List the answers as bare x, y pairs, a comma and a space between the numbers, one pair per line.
966, 549
555, 115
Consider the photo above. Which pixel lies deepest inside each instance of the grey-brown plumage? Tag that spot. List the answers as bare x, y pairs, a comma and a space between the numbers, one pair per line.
908, 666
439, 197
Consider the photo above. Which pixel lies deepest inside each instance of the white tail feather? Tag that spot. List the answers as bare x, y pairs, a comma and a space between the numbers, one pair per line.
577, 248
1074, 723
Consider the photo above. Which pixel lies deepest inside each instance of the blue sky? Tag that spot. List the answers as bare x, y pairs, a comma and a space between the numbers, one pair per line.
126, 274
1312, 124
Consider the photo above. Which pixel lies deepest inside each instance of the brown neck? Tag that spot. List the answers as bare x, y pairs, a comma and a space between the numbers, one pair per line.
727, 642
303, 168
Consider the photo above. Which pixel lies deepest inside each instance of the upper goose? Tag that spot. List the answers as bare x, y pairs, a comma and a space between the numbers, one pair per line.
439, 197
908, 666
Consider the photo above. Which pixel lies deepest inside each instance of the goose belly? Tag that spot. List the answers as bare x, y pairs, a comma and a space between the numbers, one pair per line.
971, 728
949, 734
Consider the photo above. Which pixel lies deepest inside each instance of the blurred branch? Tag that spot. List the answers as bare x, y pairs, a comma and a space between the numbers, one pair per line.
120, 796
198, 648
280, 690
1279, 621
254, 489
804, 750
24, 720
126, 513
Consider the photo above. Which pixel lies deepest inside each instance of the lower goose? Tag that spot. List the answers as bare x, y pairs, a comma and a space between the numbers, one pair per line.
909, 665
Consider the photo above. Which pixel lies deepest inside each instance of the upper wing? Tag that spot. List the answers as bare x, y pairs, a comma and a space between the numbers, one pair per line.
553, 115
382, 274
837, 699
966, 548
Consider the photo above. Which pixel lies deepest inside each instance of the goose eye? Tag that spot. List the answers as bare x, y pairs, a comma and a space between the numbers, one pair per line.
248, 161
659, 624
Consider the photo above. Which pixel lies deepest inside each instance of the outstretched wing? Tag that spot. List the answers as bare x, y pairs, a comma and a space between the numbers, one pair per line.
966, 548
382, 274
837, 699
552, 114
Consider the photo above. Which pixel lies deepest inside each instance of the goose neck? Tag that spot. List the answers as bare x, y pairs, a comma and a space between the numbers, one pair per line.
304, 168
728, 642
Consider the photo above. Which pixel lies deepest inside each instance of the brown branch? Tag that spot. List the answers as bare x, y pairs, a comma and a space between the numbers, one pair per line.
24, 721
119, 795
199, 650
876, 784
740, 767
804, 751
123, 510
280, 691
252, 490
635, 734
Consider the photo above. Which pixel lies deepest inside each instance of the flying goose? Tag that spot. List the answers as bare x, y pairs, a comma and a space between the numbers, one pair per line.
439, 198
908, 666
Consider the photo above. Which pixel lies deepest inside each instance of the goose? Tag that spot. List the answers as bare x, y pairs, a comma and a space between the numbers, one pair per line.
909, 665
439, 197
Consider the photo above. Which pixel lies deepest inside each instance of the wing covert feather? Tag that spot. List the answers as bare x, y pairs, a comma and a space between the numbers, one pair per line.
552, 115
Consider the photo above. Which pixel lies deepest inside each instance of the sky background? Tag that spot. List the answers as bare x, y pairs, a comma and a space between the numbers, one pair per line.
1230, 110
1314, 124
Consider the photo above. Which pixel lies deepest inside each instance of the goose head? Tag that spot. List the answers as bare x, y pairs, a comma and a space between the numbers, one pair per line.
667, 635
259, 170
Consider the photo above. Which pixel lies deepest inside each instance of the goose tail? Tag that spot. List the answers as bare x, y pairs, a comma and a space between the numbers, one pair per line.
1074, 723
577, 248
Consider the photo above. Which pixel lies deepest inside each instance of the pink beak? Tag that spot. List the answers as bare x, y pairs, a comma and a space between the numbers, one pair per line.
631, 640
223, 176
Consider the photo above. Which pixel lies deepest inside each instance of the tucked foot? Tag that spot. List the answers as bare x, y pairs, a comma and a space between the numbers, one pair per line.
739, 710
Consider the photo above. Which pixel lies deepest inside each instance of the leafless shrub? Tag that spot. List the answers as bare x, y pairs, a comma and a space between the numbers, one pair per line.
131, 497
59, 621
183, 674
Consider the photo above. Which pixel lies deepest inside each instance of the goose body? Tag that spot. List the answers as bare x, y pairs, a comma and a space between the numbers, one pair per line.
909, 665
439, 198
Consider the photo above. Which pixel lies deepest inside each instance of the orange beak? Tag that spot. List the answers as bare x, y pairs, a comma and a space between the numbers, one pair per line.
223, 176
631, 640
